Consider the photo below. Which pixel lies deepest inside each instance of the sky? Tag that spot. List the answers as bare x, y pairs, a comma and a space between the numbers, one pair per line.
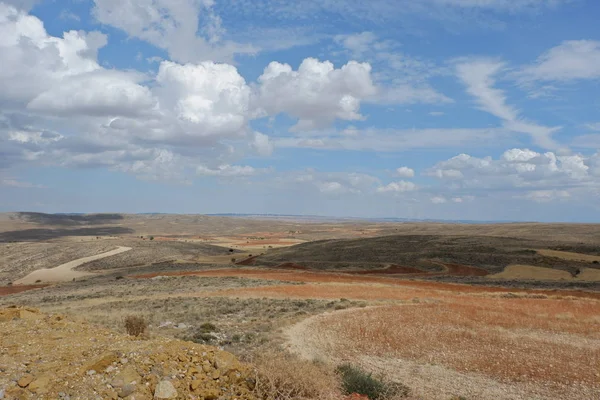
436, 109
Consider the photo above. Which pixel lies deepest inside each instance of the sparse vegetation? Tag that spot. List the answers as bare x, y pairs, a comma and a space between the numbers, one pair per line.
356, 380
135, 325
281, 376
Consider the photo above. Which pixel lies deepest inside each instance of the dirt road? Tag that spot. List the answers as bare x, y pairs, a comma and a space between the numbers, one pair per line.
66, 271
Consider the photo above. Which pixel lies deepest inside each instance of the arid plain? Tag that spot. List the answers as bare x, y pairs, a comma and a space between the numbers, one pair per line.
449, 311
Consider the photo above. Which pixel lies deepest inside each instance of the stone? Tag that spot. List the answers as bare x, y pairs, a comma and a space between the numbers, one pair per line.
210, 394
40, 385
25, 380
101, 363
128, 376
165, 390
126, 390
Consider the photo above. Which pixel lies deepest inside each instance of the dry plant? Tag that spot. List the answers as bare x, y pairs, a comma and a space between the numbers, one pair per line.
281, 376
134, 325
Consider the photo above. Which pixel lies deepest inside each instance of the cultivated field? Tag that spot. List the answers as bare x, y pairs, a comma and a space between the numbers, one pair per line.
479, 311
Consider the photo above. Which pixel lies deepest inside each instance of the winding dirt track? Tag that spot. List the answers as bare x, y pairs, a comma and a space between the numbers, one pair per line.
66, 271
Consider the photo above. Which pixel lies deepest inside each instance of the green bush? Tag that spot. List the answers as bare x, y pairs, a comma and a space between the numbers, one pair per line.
207, 327
355, 380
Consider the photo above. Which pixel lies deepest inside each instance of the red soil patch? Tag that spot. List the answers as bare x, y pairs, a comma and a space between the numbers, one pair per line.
392, 270
290, 265
328, 277
6, 290
247, 261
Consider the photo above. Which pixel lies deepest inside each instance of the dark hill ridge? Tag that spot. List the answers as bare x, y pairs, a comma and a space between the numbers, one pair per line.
425, 252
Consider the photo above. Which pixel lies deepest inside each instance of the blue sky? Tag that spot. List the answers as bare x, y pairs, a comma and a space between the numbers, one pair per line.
452, 109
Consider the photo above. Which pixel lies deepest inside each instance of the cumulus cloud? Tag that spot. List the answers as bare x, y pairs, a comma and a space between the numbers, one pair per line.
213, 97
98, 93
520, 170
479, 78
405, 172
438, 200
317, 93
398, 187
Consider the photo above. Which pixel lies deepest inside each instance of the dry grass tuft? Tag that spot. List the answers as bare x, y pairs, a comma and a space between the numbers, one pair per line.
281, 376
135, 326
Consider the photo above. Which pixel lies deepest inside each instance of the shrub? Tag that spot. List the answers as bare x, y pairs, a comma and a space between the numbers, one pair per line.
232, 259
595, 262
151, 238
281, 376
38, 281
135, 326
208, 327
203, 337
119, 277
355, 380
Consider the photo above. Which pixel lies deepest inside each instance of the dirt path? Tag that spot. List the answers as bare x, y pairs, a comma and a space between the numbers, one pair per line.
66, 271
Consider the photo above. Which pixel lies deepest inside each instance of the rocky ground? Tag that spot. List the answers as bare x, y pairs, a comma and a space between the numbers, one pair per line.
50, 356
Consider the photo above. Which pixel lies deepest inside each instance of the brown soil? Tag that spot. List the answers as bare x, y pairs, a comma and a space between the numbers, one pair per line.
6, 290
52, 356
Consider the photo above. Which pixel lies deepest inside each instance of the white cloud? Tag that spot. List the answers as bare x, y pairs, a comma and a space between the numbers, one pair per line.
19, 184
317, 93
544, 196
478, 76
400, 78
359, 43
227, 171
398, 187
436, 113
188, 29
405, 172
520, 170
332, 187
262, 144
593, 126
438, 200
213, 97
390, 140
96, 93
569, 61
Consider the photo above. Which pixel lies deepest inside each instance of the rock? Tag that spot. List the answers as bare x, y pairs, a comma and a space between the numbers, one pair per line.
226, 362
165, 390
25, 380
8, 314
101, 363
40, 385
128, 376
1, 394
210, 394
126, 390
